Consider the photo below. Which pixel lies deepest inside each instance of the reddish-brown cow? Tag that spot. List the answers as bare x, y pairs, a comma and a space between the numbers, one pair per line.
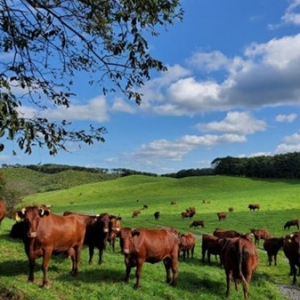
290, 223
260, 234
197, 224
136, 213
97, 232
254, 206
2, 210
291, 249
186, 214
272, 246
49, 234
221, 215
187, 243
150, 245
211, 245
114, 230
240, 259
224, 233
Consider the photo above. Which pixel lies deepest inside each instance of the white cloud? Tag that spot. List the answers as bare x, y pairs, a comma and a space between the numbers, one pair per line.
286, 118
121, 106
291, 16
235, 122
291, 143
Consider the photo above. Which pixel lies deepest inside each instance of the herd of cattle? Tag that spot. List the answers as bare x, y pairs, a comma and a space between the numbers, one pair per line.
44, 233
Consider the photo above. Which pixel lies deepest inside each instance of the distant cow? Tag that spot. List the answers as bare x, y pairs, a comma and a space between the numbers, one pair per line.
290, 223
156, 215
291, 249
145, 206
114, 230
173, 202
51, 233
197, 224
254, 206
97, 232
150, 245
272, 246
2, 210
240, 260
210, 245
136, 213
230, 209
186, 244
221, 215
186, 214
260, 234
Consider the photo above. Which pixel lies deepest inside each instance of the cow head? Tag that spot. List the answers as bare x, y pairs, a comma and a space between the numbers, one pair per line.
126, 238
32, 216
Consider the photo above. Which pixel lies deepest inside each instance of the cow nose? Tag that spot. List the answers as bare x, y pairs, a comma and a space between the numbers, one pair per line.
32, 234
105, 229
125, 251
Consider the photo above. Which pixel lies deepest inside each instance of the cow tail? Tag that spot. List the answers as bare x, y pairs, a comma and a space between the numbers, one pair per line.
240, 259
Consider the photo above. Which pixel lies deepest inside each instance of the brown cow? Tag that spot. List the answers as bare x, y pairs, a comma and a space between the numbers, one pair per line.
221, 215
2, 210
272, 246
260, 234
156, 215
173, 202
136, 213
187, 243
211, 245
114, 230
51, 233
240, 259
254, 206
291, 249
97, 232
150, 245
197, 224
223, 233
290, 223
186, 214
230, 209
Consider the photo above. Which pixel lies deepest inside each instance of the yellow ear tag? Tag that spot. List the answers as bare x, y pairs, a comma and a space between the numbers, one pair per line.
17, 218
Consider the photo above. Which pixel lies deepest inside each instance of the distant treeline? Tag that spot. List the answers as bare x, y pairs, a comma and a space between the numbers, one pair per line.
54, 168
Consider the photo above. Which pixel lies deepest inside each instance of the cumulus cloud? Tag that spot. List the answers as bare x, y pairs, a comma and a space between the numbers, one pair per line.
291, 143
235, 122
121, 106
286, 118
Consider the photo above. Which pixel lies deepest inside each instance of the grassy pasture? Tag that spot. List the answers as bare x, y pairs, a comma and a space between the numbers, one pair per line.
279, 200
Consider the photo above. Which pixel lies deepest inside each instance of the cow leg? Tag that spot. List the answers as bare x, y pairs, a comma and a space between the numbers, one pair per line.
113, 245
31, 269
294, 273
138, 273
128, 270
46, 259
75, 261
91, 253
167, 264
203, 254
192, 252
100, 255
270, 259
228, 281
275, 259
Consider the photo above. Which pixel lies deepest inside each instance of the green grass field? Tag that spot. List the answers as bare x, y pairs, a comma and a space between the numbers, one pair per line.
279, 200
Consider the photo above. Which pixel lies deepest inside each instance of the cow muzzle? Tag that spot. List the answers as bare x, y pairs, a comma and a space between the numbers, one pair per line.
32, 234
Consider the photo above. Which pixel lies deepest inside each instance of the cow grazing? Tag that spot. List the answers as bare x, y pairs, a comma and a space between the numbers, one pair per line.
240, 259
150, 245
272, 246
221, 215
291, 249
290, 223
187, 243
136, 213
173, 202
97, 232
156, 215
145, 206
260, 234
254, 206
197, 224
2, 210
210, 245
50, 233
114, 230
186, 214
230, 209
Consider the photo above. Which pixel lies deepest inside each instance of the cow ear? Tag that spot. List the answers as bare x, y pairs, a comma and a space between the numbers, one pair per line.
135, 233
44, 212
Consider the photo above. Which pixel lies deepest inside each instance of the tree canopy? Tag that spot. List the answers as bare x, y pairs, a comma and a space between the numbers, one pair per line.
44, 44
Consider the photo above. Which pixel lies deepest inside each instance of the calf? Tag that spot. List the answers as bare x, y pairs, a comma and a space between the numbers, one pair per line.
186, 244
260, 234
150, 245
210, 245
272, 246
291, 249
2, 210
221, 215
197, 224
50, 233
97, 232
290, 223
254, 207
240, 259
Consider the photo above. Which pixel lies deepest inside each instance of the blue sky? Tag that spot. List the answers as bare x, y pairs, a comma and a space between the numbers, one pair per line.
232, 89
